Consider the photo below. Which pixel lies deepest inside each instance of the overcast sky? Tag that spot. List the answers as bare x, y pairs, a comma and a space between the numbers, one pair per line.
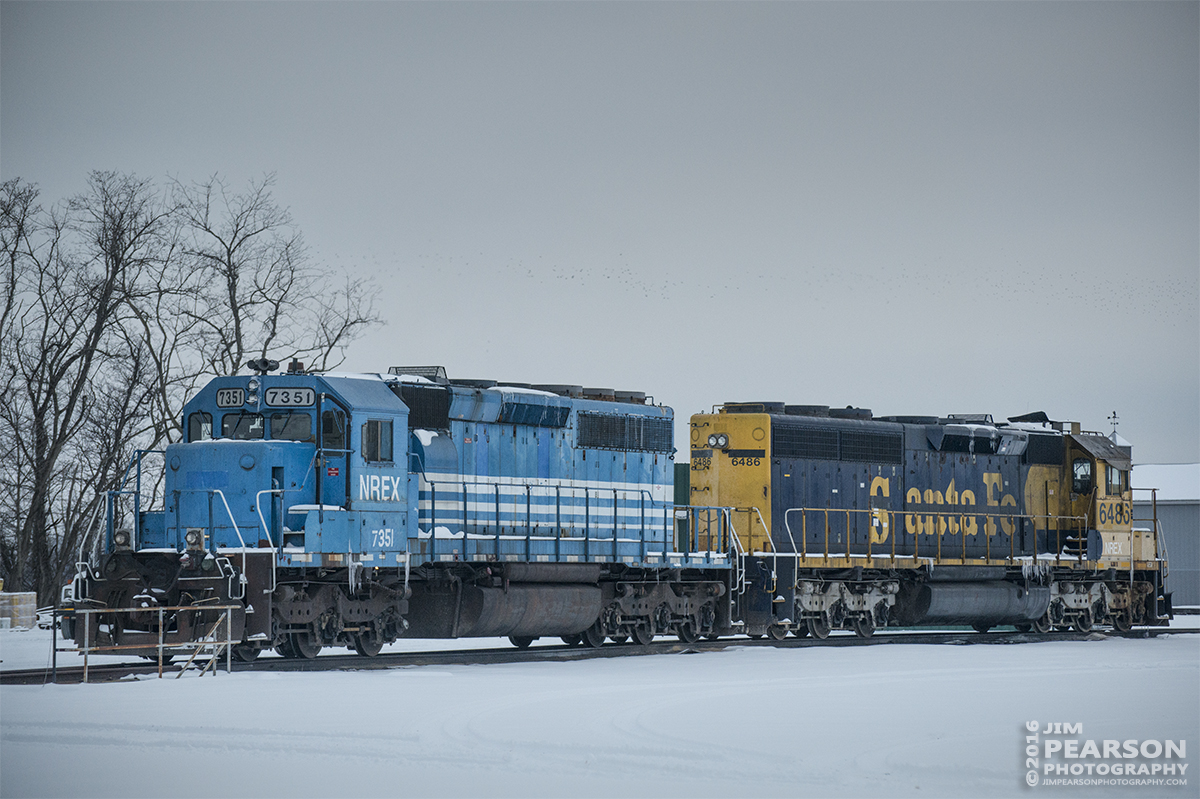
916, 208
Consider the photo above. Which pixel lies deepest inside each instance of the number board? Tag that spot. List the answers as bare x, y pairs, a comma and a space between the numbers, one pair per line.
1113, 514
290, 397
230, 397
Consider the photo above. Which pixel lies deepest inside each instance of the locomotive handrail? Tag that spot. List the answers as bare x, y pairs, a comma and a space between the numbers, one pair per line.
210, 492
258, 508
617, 495
134, 463
86, 648
937, 522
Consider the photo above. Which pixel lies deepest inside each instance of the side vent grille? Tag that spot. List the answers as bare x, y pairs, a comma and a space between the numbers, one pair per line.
638, 433
539, 415
428, 406
871, 447
803, 442
813, 443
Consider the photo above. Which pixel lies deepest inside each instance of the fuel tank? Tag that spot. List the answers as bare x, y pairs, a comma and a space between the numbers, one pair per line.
994, 602
471, 611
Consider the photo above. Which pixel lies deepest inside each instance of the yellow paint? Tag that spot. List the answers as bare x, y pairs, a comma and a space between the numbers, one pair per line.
970, 523
742, 482
880, 518
1042, 497
913, 524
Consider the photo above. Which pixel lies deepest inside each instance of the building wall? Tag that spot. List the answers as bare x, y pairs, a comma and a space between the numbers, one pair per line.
1179, 523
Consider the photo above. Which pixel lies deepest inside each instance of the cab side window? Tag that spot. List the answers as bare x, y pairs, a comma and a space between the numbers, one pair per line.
1116, 481
377, 441
200, 426
1081, 481
333, 430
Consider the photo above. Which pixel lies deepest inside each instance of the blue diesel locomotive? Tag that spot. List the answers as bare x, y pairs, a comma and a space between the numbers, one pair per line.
351, 509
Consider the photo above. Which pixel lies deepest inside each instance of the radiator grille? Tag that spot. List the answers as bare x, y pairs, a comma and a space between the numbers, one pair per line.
611, 431
814, 443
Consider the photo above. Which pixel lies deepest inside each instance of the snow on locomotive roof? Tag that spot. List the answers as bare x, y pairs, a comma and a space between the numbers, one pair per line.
352, 375
517, 390
1033, 427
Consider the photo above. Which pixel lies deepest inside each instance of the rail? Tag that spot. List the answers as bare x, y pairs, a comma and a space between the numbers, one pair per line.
924, 523
195, 647
509, 502
1160, 539
268, 531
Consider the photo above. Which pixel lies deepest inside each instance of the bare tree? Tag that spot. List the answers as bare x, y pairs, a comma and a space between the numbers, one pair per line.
116, 306
72, 275
262, 295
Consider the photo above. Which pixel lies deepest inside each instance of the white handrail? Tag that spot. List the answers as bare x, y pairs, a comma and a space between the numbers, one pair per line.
258, 508
232, 521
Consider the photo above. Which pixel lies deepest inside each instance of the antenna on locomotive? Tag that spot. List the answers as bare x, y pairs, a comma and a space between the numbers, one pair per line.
262, 365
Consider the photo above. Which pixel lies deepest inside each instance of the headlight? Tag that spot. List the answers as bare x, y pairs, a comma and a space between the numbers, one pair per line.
253, 384
252, 399
121, 539
718, 441
193, 537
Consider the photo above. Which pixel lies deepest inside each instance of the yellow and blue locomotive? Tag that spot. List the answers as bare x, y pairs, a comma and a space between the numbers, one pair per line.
851, 521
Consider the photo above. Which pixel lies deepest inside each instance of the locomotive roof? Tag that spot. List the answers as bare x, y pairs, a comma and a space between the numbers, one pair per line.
1103, 448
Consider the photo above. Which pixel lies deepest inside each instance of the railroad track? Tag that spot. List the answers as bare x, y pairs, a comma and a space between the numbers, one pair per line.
109, 672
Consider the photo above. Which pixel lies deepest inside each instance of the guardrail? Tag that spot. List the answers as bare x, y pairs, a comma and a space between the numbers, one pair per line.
648, 510
919, 523
208, 640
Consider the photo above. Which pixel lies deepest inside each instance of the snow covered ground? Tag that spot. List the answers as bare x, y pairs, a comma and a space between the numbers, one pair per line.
894, 720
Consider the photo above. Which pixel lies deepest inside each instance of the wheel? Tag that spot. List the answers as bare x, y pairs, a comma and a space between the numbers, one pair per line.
777, 632
981, 627
593, 636
687, 633
1023, 627
305, 645
573, 640
864, 626
285, 648
818, 627
712, 637
755, 636
1042, 625
244, 653
368, 644
619, 639
521, 641
1122, 621
642, 635
1083, 622
801, 630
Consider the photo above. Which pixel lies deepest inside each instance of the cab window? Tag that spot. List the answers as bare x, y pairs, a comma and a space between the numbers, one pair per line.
333, 430
1116, 481
244, 426
1081, 481
377, 441
291, 427
199, 426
